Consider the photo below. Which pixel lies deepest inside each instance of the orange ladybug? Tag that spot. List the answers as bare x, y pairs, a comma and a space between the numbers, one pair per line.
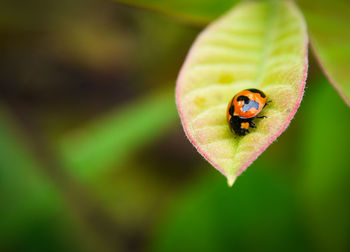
243, 108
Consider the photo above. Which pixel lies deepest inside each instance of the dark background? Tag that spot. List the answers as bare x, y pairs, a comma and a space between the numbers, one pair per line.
93, 156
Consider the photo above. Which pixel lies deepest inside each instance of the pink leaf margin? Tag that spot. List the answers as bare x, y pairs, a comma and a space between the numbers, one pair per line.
271, 139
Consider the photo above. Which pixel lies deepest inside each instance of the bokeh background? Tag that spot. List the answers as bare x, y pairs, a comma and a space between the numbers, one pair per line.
93, 156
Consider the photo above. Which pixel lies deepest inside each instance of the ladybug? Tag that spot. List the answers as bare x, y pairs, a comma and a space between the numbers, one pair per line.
243, 108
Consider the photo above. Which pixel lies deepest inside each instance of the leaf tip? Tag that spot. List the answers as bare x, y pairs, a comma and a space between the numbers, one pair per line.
231, 180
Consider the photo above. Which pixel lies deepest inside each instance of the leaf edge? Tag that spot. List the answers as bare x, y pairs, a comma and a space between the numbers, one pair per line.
232, 179
327, 74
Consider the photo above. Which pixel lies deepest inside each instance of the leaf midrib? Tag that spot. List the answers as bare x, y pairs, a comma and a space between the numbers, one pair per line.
267, 41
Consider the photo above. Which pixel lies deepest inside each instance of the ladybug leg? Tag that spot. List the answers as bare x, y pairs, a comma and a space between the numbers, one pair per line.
267, 103
252, 124
262, 117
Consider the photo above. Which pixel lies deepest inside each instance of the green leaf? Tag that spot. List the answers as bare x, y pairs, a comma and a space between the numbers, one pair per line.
209, 216
199, 12
25, 192
35, 215
324, 187
328, 23
94, 149
256, 45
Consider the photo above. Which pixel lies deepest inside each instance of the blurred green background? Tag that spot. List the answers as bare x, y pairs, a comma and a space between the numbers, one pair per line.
93, 156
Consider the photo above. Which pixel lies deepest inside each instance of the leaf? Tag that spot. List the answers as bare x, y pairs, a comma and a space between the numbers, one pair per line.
92, 150
35, 213
208, 216
256, 45
324, 181
199, 12
28, 194
328, 23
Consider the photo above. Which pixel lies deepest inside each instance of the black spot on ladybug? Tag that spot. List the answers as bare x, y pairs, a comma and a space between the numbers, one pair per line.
253, 90
231, 110
243, 98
